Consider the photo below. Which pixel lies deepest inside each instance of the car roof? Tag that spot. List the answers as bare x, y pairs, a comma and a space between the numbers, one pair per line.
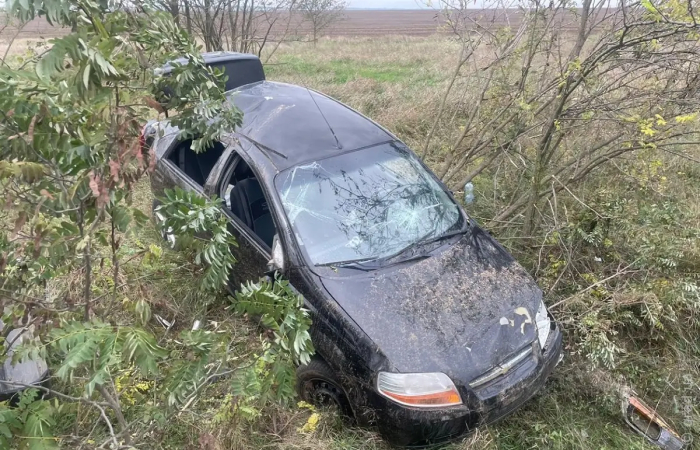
293, 124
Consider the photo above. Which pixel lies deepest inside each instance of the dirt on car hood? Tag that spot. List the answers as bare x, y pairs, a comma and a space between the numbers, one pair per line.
461, 311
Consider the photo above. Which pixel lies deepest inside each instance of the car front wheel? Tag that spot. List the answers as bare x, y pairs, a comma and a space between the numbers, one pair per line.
318, 385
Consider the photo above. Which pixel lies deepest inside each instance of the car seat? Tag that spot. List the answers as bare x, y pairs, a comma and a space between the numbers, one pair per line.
248, 204
198, 166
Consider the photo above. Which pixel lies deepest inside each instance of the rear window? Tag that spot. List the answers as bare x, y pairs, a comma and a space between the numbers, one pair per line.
241, 72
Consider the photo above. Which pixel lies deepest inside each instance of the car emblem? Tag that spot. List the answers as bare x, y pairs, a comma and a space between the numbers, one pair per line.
502, 369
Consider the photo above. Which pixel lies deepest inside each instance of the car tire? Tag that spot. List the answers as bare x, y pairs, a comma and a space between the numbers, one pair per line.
158, 219
318, 385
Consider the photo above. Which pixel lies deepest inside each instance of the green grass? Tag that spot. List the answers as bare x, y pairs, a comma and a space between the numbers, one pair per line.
344, 70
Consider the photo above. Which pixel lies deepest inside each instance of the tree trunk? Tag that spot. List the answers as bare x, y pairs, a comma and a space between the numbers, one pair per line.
249, 27
233, 24
116, 407
188, 17
244, 39
549, 143
208, 28
443, 102
534, 196
174, 6
87, 281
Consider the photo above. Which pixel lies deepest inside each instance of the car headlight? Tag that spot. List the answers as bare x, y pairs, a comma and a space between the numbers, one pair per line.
426, 390
544, 324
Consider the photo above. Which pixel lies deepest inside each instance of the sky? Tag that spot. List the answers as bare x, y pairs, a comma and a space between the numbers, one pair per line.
390, 4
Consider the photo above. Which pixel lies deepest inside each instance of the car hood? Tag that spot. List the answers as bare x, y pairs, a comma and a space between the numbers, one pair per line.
461, 311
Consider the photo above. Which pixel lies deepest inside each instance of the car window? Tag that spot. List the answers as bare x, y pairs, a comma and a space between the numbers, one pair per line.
369, 203
244, 197
196, 166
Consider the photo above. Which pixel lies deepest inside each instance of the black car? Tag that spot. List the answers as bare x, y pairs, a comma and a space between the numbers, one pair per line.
423, 324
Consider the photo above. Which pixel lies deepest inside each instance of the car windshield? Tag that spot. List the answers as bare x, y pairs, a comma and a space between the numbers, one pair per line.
364, 205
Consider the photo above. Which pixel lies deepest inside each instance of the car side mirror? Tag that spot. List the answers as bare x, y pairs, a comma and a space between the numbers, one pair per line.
276, 264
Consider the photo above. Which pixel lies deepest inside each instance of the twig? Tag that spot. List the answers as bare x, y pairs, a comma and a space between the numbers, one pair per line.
600, 216
598, 283
12, 40
99, 405
114, 404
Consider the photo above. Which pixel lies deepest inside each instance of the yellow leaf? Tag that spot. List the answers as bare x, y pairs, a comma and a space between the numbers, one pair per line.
686, 118
304, 405
311, 424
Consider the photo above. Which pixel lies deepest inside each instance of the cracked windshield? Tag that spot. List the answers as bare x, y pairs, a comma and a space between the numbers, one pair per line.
364, 205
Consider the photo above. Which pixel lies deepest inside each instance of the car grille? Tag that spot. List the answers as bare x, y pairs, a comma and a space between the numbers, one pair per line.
503, 368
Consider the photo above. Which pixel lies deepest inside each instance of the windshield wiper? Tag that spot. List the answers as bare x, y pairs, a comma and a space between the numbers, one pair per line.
353, 263
422, 242
360, 263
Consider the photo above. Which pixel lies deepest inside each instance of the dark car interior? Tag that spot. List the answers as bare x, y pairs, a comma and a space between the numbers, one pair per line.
245, 199
197, 166
241, 72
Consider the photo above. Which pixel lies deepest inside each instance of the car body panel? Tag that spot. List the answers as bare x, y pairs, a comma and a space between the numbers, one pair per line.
340, 341
460, 312
412, 427
301, 124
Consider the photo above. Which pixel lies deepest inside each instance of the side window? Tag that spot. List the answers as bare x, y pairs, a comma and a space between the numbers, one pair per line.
244, 197
197, 166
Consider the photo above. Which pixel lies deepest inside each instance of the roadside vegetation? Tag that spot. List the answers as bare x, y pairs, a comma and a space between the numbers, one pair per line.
584, 162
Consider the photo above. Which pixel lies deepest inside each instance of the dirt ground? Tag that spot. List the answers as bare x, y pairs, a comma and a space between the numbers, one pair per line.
353, 23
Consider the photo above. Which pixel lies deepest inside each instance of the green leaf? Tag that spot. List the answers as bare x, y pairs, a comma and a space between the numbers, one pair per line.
53, 60
38, 427
121, 218
86, 76
648, 6
69, 227
143, 311
141, 348
186, 377
139, 216
5, 431
79, 353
